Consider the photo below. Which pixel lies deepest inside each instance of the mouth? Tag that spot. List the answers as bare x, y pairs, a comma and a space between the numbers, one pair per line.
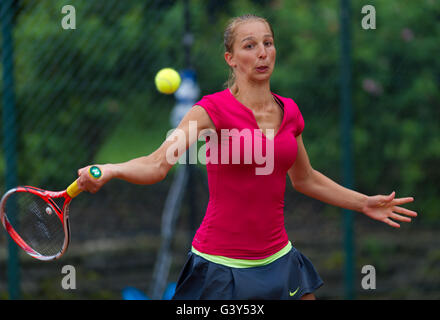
262, 68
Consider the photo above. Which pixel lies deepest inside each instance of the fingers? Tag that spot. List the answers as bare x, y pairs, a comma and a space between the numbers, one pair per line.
391, 201
391, 196
86, 182
81, 170
385, 208
398, 217
391, 223
382, 201
403, 200
405, 211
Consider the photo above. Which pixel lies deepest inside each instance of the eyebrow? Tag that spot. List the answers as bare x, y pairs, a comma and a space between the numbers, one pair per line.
252, 37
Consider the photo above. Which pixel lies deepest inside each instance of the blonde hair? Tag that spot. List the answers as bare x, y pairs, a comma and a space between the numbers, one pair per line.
229, 38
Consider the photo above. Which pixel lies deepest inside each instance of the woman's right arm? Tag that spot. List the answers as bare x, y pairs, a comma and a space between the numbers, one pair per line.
154, 167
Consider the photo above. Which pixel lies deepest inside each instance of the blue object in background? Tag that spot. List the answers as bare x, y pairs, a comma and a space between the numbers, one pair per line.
169, 291
186, 96
130, 293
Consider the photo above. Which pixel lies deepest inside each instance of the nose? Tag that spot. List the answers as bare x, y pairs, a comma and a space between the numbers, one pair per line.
262, 53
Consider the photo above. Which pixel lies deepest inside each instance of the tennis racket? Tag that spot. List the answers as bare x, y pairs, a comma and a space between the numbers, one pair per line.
38, 220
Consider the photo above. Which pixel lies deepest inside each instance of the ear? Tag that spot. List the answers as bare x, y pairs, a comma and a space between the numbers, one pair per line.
230, 60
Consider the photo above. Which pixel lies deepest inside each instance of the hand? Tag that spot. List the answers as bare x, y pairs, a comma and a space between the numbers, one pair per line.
92, 185
385, 208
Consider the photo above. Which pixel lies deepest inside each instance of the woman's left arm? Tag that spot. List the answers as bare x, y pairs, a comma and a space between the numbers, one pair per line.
314, 184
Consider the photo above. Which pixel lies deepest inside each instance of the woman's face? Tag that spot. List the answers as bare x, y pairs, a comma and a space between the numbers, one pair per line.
253, 55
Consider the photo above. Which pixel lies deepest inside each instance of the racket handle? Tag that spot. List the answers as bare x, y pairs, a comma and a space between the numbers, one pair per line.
73, 190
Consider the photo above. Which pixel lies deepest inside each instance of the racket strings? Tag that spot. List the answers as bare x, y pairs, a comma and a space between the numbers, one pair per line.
36, 223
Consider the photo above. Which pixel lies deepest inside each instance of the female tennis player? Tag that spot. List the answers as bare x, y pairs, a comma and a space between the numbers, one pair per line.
241, 249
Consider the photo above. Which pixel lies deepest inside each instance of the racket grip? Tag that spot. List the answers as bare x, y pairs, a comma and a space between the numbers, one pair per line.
73, 190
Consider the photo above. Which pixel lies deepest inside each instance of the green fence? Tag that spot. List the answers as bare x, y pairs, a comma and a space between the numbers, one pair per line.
82, 92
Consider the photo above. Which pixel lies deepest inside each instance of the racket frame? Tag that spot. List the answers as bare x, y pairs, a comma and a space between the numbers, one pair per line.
47, 196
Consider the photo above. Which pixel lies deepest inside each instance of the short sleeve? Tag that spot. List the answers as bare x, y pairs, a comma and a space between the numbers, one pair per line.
299, 121
212, 109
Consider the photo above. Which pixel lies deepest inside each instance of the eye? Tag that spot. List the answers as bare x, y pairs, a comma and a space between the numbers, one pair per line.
268, 43
249, 46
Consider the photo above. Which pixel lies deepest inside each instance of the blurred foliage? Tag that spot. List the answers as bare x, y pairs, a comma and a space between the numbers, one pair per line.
74, 86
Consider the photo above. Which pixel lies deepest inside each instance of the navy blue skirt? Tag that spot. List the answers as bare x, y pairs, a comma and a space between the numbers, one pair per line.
289, 277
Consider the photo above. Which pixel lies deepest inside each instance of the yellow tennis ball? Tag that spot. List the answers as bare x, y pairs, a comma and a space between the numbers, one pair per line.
167, 81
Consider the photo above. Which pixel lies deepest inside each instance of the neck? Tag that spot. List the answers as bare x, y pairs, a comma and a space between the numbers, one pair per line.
255, 95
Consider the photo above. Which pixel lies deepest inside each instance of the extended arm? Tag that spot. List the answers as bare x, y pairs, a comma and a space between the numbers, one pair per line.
154, 167
312, 183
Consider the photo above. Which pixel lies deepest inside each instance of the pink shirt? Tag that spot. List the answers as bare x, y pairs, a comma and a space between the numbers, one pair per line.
247, 179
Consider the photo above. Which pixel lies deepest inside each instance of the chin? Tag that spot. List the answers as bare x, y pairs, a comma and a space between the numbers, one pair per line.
263, 77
